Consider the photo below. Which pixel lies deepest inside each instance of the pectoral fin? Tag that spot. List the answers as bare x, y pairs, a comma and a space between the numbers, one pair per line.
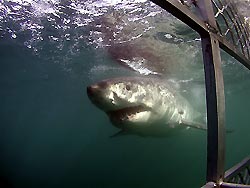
194, 125
200, 126
119, 133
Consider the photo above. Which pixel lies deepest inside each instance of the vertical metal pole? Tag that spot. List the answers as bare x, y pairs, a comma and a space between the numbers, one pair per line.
215, 110
214, 96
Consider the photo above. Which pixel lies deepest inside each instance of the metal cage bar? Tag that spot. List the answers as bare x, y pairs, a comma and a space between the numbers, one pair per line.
214, 96
214, 35
241, 170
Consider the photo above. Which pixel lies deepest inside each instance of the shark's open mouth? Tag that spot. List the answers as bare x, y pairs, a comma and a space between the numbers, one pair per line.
123, 113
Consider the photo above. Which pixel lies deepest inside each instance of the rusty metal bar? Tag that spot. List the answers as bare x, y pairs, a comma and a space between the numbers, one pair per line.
225, 185
233, 185
207, 29
184, 14
215, 98
214, 38
215, 109
232, 50
203, 28
234, 171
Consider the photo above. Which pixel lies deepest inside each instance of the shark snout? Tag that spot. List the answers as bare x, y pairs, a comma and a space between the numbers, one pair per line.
92, 90
96, 89
95, 95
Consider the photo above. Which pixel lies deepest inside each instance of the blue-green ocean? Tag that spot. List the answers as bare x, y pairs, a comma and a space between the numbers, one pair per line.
51, 135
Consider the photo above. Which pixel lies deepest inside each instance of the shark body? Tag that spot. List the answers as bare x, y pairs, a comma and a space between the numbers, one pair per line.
143, 105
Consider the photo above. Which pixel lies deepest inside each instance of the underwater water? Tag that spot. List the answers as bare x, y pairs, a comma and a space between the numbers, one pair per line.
51, 135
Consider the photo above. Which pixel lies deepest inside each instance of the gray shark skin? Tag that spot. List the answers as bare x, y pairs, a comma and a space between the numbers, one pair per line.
143, 105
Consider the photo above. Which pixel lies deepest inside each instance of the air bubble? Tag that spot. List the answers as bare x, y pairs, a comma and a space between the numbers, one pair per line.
13, 35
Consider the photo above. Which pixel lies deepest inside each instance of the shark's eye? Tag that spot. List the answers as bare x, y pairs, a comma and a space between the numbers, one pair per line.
128, 87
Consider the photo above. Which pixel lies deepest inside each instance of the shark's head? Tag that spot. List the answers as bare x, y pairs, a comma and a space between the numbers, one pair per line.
143, 105
127, 101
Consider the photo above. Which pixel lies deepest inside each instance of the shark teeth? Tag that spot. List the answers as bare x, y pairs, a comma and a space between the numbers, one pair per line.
127, 111
121, 115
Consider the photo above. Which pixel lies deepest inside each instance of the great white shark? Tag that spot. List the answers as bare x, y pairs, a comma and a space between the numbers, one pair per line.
144, 106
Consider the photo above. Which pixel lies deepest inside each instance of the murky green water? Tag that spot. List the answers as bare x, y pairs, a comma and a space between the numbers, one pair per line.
51, 135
